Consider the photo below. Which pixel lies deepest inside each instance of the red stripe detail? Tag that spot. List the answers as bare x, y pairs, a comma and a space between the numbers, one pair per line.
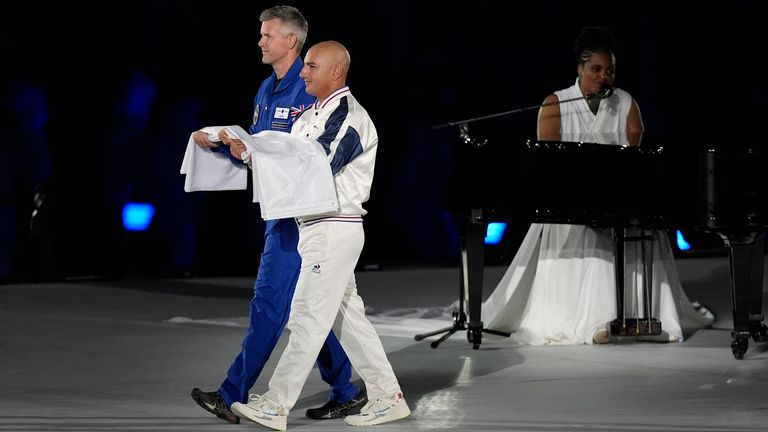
334, 95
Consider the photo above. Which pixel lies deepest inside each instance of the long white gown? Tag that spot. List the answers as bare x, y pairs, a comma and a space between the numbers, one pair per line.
560, 286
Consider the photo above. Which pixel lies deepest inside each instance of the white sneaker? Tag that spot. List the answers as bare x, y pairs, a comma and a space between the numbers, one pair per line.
602, 336
262, 411
382, 410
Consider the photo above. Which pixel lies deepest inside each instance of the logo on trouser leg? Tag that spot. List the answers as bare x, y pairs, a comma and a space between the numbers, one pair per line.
316, 268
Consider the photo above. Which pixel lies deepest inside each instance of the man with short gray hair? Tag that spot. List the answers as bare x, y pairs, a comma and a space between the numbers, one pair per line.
279, 101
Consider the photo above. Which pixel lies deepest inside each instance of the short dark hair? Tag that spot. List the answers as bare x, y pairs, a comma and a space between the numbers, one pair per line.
291, 17
593, 40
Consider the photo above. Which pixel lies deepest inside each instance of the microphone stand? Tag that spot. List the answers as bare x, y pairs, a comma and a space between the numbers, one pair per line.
464, 124
500, 114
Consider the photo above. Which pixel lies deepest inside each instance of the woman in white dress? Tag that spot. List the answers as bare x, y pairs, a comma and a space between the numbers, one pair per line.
560, 287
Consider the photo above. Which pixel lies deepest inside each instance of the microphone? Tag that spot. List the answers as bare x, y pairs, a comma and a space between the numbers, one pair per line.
606, 90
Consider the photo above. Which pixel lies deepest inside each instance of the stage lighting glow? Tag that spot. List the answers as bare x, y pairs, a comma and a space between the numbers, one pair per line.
495, 232
681, 243
137, 216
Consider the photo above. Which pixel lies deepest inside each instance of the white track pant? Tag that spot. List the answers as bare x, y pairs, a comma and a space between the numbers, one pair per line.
326, 296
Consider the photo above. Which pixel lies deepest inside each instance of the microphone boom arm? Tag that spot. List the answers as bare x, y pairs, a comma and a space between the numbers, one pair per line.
514, 111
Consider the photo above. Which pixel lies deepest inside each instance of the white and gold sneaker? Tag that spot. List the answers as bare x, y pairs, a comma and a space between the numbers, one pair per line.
382, 410
263, 411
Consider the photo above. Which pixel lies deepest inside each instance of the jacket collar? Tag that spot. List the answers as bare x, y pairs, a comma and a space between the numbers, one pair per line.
290, 77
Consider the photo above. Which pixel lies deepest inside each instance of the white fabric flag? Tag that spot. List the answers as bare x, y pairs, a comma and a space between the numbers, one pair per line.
291, 175
207, 170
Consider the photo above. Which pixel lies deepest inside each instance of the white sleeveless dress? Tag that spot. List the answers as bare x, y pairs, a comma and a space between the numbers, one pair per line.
560, 286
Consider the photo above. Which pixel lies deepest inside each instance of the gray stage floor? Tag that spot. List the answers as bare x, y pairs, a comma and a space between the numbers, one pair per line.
123, 356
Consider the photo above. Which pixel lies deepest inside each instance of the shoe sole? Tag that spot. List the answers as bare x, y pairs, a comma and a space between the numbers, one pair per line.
227, 418
242, 411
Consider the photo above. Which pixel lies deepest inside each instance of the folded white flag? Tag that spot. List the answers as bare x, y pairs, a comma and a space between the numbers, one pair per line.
208, 170
291, 175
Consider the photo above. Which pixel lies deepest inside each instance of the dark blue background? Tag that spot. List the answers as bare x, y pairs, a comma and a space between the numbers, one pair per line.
124, 85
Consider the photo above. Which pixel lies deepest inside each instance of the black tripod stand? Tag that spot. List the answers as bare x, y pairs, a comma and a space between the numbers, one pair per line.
470, 286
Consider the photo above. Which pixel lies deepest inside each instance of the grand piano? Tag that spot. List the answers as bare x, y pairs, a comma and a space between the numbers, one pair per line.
714, 189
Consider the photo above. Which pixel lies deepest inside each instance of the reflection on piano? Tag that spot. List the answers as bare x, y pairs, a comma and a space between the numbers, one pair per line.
718, 190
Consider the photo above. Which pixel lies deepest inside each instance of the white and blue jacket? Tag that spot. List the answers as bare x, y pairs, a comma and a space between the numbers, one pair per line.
344, 129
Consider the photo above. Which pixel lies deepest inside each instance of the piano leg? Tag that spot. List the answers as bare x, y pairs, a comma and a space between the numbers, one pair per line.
746, 263
618, 326
623, 325
757, 329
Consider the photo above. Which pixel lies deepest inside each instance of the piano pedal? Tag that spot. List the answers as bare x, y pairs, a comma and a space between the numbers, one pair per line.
635, 327
740, 344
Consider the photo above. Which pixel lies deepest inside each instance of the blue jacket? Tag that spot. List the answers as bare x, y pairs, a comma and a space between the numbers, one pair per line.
277, 109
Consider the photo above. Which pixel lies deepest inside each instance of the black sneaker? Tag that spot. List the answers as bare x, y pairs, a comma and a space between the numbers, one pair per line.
333, 409
214, 403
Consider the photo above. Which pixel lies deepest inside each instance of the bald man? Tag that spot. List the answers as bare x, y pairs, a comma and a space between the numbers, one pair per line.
329, 245
280, 98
